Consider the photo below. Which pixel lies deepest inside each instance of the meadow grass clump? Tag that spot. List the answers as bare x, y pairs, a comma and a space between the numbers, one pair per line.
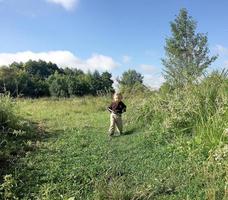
8, 130
194, 119
8, 118
17, 137
193, 107
213, 110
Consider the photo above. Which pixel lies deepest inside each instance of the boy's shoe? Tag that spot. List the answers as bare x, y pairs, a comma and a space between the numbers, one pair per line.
120, 133
110, 137
111, 134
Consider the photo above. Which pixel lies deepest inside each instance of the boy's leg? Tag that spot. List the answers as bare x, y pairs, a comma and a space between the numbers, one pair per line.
119, 123
112, 125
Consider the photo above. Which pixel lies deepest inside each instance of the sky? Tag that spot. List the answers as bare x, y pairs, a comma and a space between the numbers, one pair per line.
105, 35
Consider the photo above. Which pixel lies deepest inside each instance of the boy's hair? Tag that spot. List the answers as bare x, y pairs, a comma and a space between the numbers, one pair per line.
118, 94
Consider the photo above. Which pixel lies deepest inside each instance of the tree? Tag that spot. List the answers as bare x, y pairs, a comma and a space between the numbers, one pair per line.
39, 78
8, 80
73, 72
16, 65
107, 82
130, 77
186, 51
94, 82
58, 85
41, 69
77, 86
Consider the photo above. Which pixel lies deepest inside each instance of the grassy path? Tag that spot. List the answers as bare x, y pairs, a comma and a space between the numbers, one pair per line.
77, 161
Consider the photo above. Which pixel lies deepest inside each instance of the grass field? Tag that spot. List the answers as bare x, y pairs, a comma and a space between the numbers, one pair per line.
73, 157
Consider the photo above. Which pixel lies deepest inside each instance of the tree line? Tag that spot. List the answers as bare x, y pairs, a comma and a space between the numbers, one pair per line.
43, 79
39, 78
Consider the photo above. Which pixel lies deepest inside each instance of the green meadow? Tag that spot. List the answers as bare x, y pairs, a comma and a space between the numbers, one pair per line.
60, 148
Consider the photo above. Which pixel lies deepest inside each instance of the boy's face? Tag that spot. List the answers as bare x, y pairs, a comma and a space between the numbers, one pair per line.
117, 98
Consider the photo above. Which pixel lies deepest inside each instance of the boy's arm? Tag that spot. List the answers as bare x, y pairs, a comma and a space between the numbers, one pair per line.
110, 108
124, 107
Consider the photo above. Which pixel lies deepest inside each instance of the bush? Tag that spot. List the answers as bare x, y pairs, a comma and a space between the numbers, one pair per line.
14, 136
8, 119
194, 120
197, 109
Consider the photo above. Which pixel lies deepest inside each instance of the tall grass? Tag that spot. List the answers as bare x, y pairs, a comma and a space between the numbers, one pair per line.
196, 119
7, 114
15, 134
199, 110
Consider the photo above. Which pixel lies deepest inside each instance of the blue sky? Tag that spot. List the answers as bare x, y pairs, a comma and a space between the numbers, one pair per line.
113, 35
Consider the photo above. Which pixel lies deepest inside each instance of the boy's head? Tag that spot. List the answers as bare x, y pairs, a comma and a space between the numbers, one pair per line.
117, 97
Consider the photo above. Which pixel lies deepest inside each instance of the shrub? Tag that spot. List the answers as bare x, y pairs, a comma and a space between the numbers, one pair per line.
199, 109
7, 117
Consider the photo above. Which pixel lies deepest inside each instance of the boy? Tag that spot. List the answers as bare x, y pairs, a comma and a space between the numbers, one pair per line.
116, 109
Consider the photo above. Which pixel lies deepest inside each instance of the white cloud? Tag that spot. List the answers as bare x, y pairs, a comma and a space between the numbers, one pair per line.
153, 81
62, 59
152, 76
221, 50
67, 4
126, 59
115, 82
98, 61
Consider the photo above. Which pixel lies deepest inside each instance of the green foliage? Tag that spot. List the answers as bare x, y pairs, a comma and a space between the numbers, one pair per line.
8, 187
131, 82
194, 107
186, 52
137, 89
77, 86
73, 72
7, 113
15, 134
38, 79
58, 85
197, 118
8, 80
187, 159
40, 69
19, 82
130, 77
107, 82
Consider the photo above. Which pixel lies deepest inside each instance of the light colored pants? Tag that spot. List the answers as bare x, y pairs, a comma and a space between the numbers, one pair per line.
115, 121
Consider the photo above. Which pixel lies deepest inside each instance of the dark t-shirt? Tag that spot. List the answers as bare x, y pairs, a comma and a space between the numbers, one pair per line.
118, 107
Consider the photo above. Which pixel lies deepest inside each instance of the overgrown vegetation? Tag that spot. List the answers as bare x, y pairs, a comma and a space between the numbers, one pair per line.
9, 129
17, 136
169, 153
